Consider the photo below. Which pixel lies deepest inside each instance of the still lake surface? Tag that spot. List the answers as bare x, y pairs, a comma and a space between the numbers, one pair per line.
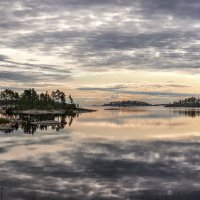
102, 154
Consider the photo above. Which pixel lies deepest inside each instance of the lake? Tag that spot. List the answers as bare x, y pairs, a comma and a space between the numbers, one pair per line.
104, 155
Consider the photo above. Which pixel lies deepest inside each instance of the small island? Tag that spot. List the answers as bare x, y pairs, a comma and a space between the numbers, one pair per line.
31, 102
127, 103
32, 108
188, 102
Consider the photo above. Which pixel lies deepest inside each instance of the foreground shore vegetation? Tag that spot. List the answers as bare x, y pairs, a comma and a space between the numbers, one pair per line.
30, 99
4, 121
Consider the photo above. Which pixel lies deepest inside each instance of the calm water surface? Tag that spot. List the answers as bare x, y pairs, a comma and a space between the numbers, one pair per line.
102, 153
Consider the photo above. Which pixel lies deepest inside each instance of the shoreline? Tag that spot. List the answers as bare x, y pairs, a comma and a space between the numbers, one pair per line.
5, 128
8, 125
171, 106
49, 112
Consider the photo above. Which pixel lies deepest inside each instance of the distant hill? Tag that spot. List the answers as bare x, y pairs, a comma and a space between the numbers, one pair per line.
188, 102
127, 103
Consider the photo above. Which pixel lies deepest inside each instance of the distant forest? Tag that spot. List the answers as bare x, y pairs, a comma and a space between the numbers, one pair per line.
127, 103
30, 99
188, 102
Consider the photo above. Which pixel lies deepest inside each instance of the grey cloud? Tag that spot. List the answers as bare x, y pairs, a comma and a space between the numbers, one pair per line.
151, 93
178, 8
28, 77
178, 85
111, 50
47, 40
31, 73
3, 58
16, 76
43, 67
98, 35
106, 88
181, 7
123, 40
160, 93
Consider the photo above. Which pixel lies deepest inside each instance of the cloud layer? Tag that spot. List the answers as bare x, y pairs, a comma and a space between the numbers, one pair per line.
49, 41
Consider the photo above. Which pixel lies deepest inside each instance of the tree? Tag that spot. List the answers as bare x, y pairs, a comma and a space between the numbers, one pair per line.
59, 97
29, 98
71, 99
8, 98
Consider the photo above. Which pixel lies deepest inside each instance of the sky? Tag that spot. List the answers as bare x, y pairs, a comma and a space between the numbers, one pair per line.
102, 50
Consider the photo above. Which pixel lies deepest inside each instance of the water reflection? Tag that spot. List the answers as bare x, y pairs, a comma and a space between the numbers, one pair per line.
128, 119
26, 124
187, 112
137, 149
99, 169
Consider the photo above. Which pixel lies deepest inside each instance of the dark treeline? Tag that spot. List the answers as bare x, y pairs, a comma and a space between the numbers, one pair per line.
127, 103
188, 102
30, 99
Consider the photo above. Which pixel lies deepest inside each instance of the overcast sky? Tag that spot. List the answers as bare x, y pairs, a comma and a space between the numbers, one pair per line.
100, 50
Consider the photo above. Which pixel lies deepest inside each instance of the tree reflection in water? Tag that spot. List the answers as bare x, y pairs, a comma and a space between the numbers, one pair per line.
24, 122
187, 112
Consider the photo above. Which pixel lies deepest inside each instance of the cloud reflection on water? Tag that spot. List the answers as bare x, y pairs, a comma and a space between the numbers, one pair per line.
90, 160
99, 167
